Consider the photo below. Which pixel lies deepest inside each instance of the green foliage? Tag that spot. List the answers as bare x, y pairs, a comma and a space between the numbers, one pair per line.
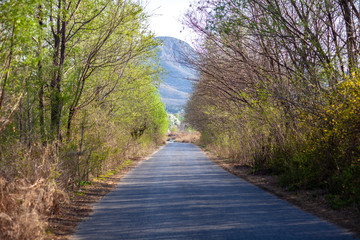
76, 80
84, 183
79, 193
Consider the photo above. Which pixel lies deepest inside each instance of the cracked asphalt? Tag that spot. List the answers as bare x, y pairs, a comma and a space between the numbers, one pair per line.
180, 194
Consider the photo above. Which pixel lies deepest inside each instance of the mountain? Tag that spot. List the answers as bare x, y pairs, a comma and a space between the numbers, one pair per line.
176, 83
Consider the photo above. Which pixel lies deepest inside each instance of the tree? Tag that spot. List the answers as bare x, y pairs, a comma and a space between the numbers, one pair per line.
270, 71
64, 62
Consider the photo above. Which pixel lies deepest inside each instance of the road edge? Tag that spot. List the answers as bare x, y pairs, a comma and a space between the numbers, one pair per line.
298, 199
65, 224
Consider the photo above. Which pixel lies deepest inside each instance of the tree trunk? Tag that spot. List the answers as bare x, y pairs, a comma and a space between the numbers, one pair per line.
350, 44
70, 117
7, 68
59, 61
40, 78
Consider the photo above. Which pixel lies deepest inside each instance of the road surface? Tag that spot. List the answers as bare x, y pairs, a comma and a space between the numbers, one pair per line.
180, 194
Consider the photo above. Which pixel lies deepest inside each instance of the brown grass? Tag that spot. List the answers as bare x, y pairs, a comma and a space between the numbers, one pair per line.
28, 191
25, 205
185, 137
36, 183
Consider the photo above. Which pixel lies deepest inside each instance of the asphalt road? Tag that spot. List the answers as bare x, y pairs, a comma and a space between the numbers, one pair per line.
180, 194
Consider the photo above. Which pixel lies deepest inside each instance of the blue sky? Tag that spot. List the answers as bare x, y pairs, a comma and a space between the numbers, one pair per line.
166, 15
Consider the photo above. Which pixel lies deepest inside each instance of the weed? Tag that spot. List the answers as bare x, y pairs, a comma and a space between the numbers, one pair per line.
83, 183
337, 201
79, 193
127, 162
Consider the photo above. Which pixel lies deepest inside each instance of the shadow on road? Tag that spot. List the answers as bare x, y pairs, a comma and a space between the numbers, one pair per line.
180, 194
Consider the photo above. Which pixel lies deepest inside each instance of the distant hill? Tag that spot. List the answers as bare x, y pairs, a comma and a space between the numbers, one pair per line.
176, 85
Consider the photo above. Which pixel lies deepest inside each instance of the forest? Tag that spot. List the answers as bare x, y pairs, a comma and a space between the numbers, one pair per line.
279, 90
78, 98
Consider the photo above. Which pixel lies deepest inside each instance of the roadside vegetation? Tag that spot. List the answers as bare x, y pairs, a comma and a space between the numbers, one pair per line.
78, 98
279, 90
179, 131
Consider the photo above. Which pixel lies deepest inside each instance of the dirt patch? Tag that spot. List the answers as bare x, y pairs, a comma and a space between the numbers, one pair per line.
63, 225
313, 201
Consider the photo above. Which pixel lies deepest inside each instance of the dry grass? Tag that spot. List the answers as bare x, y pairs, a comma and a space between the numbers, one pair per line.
36, 181
185, 137
25, 205
28, 192
32, 188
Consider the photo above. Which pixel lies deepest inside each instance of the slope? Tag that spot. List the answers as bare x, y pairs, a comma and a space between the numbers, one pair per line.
176, 82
